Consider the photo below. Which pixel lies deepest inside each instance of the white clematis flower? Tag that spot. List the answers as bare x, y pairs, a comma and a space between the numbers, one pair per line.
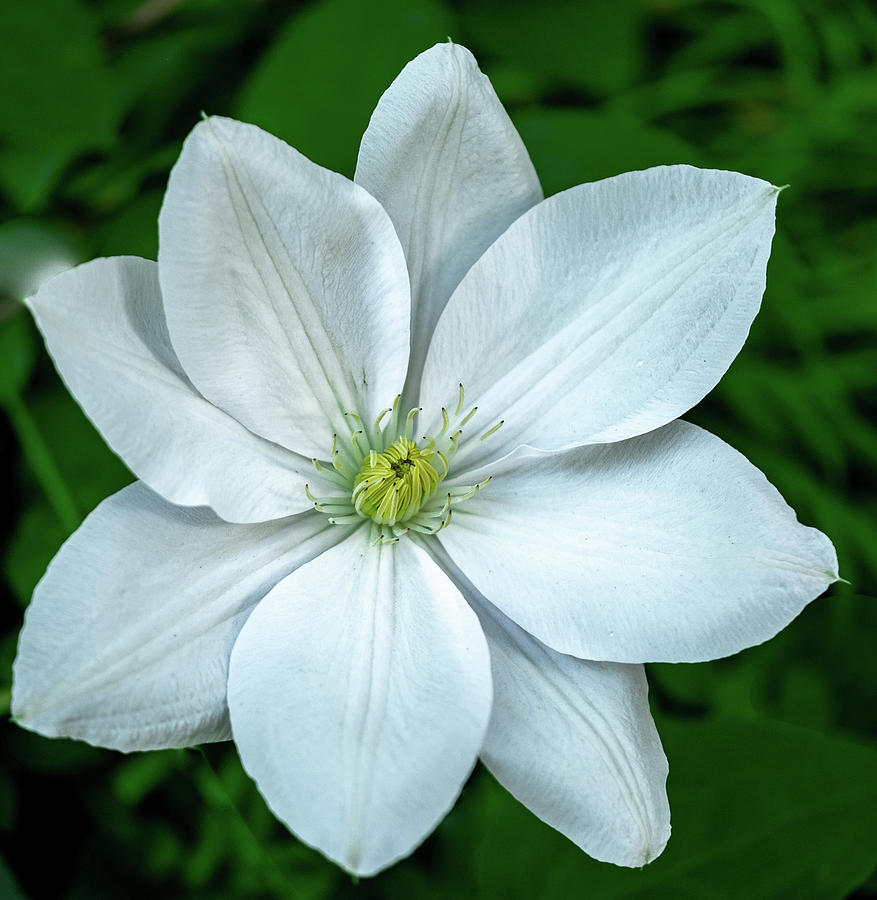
366, 598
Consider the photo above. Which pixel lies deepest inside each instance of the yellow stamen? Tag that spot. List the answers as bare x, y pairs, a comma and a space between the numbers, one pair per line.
393, 485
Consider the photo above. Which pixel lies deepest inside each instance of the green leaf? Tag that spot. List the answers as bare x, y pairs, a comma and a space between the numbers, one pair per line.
28, 177
595, 46
37, 537
33, 753
51, 56
73, 467
759, 809
571, 146
318, 83
178, 64
89, 468
142, 773
134, 231
118, 182
804, 696
157, 72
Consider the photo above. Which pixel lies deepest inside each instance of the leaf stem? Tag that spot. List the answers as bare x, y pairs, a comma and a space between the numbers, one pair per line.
42, 463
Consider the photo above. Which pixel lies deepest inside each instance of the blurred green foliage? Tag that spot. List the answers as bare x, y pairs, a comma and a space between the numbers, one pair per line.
773, 766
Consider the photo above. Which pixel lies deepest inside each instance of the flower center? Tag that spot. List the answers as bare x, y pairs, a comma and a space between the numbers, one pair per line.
387, 479
393, 485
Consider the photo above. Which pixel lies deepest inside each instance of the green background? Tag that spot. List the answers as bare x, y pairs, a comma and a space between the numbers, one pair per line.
773, 760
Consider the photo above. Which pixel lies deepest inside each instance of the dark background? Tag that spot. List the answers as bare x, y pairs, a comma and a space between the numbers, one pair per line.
773, 760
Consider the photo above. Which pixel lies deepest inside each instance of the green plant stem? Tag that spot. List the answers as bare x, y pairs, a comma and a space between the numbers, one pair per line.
40, 459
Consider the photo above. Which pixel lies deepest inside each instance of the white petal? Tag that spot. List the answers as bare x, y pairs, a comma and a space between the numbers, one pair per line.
574, 741
359, 693
667, 547
445, 161
105, 329
607, 310
126, 641
284, 286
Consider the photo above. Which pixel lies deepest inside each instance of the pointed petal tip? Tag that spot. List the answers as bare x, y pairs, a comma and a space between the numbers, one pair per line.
356, 865
650, 854
661, 839
759, 564
31, 720
24, 706
37, 718
825, 566
639, 852
699, 313
23, 720
448, 48
443, 158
